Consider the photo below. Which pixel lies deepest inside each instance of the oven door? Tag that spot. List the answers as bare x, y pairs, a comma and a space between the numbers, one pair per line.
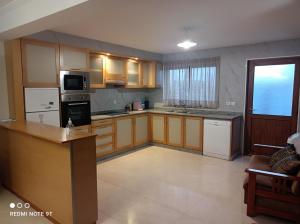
78, 111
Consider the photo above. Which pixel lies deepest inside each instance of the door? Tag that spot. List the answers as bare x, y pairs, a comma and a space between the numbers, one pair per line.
175, 130
193, 133
158, 128
40, 63
272, 104
124, 133
141, 129
72, 58
46, 117
78, 111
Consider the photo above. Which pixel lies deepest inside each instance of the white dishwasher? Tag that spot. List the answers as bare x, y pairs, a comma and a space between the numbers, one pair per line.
217, 138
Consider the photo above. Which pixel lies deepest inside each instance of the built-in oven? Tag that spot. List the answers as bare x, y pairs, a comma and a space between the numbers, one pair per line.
76, 107
74, 82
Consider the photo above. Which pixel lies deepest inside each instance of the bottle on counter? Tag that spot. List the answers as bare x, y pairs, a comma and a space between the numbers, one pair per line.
69, 126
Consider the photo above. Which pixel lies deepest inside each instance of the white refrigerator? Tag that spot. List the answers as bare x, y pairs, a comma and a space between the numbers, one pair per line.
42, 105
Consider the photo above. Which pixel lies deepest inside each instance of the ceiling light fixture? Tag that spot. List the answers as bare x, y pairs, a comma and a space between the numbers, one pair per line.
187, 44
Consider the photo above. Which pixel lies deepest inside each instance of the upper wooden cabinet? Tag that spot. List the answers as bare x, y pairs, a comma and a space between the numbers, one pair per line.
97, 70
148, 74
72, 58
115, 69
40, 62
133, 73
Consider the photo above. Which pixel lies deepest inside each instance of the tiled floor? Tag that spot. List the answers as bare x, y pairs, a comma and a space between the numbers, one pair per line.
162, 186
158, 185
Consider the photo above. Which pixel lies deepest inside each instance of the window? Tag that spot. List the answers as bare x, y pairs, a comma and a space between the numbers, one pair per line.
191, 84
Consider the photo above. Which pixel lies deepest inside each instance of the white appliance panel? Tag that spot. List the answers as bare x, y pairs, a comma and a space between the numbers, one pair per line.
41, 99
217, 138
48, 117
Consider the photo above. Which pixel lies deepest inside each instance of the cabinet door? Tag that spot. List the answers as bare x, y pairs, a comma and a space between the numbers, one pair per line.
72, 58
158, 131
97, 63
175, 130
141, 130
193, 134
124, 133
40, 64
133, 73
115, 69
149, 73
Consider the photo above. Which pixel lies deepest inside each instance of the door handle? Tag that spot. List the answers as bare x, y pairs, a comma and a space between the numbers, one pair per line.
74, 104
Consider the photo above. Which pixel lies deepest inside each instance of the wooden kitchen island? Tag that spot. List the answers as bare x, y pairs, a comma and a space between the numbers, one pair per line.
50, 170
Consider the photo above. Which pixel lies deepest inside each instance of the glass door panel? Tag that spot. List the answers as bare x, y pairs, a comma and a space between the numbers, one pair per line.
273, 89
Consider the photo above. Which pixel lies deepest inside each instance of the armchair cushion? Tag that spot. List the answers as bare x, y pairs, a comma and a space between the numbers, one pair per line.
260, 162
282, 154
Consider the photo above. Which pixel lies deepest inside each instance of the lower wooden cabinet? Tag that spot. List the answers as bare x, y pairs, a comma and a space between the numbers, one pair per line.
158, 128
175, 130
193, 133
104, 129
141, 134
124, 132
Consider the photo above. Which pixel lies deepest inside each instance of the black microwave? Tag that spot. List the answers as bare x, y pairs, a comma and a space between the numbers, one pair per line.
74, 82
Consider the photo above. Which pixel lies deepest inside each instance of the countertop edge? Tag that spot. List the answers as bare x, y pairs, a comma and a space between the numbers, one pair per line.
33, 129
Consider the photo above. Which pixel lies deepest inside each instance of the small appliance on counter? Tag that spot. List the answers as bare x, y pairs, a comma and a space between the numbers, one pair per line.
137, 105
77, 108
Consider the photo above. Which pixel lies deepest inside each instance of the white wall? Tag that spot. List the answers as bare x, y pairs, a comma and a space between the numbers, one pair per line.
4, 109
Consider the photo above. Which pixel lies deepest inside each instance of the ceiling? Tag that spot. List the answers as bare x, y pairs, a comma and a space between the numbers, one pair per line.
158, 25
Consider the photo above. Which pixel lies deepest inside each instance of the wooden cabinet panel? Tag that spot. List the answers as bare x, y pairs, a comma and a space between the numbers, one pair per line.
193, 133
72, 58
84, 128
141, 135
97, 67
124, 132
149, 74
104, 129
133, 73
40, 64
175, 130
158, 128
115, 69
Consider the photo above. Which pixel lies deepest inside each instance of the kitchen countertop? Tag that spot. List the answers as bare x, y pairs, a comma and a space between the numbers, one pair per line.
43, 131
222, 115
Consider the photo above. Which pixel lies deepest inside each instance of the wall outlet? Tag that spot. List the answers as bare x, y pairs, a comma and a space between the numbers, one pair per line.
230, 103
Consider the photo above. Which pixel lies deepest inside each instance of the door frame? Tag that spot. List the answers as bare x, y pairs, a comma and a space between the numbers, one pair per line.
249, 97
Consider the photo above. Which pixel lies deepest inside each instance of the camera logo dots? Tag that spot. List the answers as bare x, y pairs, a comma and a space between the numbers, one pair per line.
19, 205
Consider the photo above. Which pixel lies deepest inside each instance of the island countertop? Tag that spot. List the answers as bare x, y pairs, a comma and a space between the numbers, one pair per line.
43, 131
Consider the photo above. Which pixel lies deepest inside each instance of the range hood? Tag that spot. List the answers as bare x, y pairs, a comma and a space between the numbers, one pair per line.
119, 82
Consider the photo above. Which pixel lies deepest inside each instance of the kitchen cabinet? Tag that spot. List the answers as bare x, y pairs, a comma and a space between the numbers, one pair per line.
158, 128
141, 135
115, 70
124, 132
193, 133
133, 74
105, 135
175, 130
73, 58
148, 74
84, 128
97, 68
40, 63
